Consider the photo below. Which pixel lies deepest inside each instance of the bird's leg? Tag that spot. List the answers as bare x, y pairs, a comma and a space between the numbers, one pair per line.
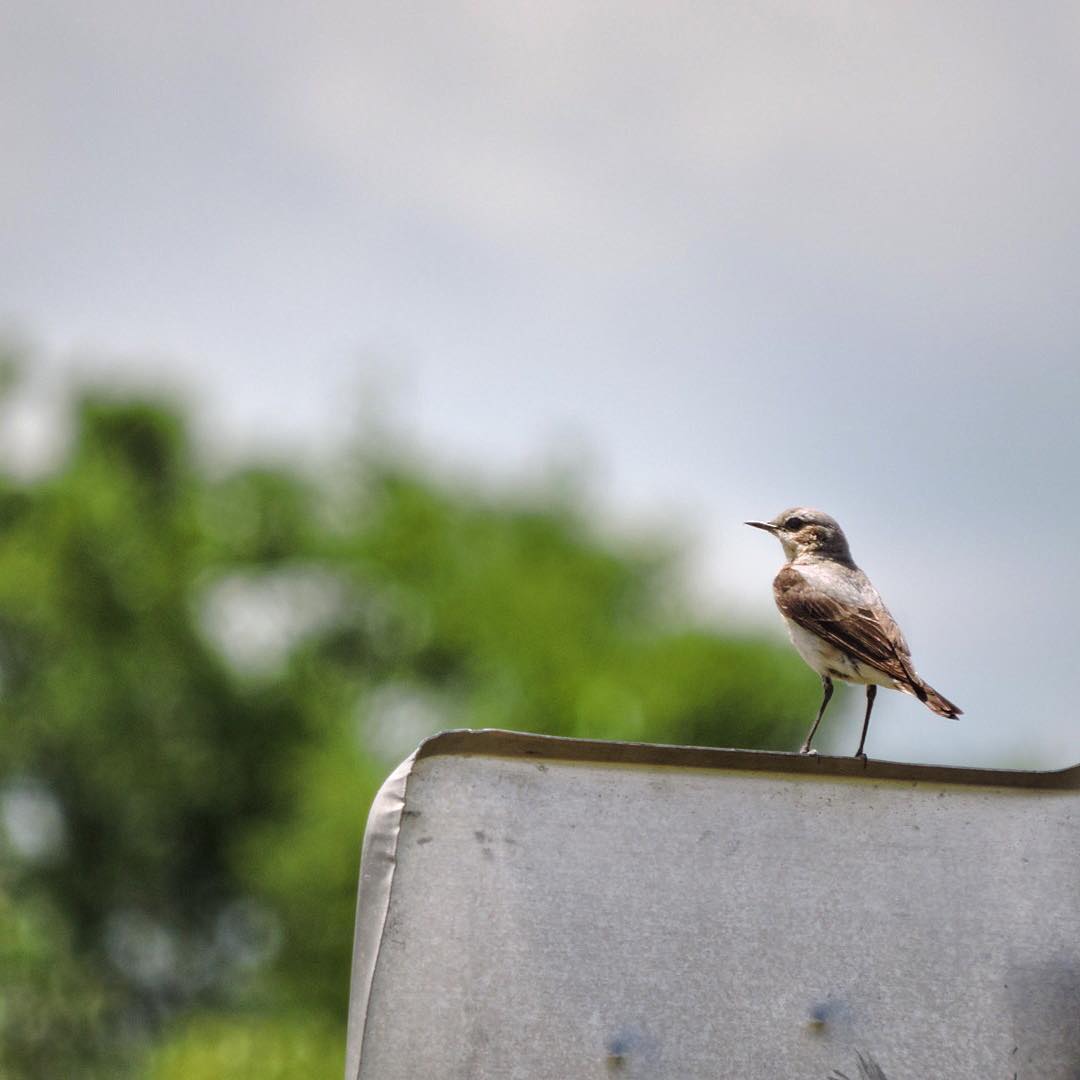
826, 684
871, 693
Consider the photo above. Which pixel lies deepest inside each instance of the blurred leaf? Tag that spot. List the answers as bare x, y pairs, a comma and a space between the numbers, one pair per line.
288, 1047
51, 1012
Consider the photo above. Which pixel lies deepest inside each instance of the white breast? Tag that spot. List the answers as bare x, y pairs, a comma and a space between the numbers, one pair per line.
827, 659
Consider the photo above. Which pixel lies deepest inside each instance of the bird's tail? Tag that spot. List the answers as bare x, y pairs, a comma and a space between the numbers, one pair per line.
933, 700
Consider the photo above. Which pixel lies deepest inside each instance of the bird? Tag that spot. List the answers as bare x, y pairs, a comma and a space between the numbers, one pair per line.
836, 619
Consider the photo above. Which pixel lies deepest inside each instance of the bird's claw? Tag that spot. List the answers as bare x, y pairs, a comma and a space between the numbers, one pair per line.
806, 751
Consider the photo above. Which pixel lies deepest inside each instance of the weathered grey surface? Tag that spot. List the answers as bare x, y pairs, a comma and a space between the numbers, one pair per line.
527, 915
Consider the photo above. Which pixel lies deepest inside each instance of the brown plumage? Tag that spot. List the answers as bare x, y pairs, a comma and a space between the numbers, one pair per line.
868, 634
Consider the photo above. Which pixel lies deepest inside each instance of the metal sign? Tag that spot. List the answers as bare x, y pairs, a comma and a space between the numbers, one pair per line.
535, 908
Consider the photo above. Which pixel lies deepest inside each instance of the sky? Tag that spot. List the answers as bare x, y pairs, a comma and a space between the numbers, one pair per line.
724, 258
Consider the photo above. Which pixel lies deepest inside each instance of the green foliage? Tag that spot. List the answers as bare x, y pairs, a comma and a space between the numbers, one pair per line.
241, 1048
52, 1012
203, 680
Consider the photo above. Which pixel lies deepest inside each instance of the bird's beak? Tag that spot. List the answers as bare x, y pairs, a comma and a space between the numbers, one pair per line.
768, 526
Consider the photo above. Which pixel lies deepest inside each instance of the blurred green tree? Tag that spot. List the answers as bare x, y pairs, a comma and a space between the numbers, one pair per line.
204, 678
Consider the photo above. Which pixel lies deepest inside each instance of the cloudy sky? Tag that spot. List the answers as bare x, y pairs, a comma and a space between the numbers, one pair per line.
738, 255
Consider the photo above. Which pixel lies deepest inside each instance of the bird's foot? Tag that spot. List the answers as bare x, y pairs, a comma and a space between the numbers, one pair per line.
861, 756
807, 752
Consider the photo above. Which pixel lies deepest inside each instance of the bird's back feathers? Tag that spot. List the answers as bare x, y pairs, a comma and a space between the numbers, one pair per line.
840, 605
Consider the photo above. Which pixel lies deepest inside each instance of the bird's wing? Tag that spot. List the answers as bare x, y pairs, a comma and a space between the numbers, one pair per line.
868, 634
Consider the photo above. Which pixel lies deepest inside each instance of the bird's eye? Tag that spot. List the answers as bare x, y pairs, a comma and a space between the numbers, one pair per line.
794, 524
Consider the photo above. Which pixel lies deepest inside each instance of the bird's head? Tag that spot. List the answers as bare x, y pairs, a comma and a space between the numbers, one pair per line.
803, 531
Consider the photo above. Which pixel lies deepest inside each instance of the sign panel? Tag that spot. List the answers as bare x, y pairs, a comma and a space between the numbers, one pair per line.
550, 909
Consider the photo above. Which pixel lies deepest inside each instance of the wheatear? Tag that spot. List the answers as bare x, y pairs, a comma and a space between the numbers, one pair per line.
836, 619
